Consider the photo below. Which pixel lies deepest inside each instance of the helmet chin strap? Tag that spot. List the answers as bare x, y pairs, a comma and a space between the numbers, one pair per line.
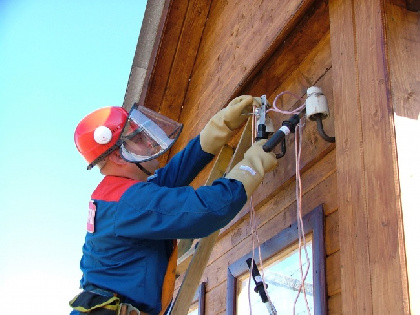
145, 171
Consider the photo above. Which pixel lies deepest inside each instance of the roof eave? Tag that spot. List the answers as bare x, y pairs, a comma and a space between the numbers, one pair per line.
146, 51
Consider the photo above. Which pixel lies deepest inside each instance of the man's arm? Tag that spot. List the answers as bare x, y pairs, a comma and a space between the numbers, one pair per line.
183, 167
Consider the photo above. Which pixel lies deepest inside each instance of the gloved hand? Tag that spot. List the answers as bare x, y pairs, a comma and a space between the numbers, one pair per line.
251, 170
219, 129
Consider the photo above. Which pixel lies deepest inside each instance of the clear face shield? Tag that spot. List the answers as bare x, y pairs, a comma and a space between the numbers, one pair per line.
147, 135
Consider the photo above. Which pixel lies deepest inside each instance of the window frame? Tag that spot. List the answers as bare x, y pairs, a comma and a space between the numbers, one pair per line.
313, 222
200, 298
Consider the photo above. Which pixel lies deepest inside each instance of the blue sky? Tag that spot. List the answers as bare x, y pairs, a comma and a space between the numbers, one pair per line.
59, 60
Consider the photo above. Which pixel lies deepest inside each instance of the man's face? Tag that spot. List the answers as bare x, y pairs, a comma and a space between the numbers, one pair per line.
141, 145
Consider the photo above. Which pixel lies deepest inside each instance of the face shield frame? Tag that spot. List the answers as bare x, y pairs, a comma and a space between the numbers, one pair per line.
173, 135
147, 131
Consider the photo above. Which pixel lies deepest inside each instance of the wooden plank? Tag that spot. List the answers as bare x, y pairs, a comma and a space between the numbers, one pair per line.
349, 158
216, 300
334, 305
333, 274
369, 227
229, 52
295, 58
201, 255
185, 56
229, 248
168, 44
332, 240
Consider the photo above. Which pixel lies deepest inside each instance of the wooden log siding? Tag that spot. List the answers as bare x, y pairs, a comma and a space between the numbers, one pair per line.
233, 42
368, 194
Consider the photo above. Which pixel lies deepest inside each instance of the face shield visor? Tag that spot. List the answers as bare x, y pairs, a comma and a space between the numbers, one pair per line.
147, 135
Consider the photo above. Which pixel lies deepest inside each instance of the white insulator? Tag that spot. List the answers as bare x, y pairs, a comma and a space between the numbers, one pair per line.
316, 103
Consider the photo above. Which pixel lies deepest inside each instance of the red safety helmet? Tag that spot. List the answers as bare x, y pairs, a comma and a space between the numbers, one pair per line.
141, 135
97, 134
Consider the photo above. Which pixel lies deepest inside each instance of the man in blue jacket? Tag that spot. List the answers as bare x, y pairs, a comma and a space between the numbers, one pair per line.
138, 211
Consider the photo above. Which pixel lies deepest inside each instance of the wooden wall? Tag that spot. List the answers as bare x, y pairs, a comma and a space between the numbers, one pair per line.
212, 51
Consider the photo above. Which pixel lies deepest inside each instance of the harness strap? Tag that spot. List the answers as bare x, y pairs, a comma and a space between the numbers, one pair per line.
88, 301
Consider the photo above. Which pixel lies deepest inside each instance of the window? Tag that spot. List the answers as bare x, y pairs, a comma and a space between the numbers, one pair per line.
281, 263
193, 310
282, 275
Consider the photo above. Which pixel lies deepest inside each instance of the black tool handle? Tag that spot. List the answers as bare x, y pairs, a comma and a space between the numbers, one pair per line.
259, 285
279, 135
274, 141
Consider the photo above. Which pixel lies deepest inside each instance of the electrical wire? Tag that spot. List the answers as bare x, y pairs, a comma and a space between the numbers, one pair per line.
285, 112
254, 233
299, 220
301, 232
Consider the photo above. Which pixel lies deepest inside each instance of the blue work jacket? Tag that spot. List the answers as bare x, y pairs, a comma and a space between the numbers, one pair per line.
133, 225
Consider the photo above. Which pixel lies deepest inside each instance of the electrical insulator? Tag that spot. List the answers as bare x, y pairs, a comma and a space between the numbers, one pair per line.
316, 103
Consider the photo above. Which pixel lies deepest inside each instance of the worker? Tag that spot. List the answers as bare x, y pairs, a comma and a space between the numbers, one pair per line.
138, 211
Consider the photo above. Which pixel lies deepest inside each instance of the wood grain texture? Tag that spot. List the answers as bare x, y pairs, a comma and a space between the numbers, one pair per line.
233, 43
366, 157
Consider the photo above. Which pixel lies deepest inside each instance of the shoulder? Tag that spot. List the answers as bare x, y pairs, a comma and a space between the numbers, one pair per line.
111, 188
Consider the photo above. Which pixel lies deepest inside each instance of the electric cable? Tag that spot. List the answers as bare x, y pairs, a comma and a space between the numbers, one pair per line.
298, 189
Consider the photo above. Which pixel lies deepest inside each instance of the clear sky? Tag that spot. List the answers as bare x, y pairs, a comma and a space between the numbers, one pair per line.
59, 61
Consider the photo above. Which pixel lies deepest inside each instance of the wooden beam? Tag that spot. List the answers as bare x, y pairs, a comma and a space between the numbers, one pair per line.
368, 194
182, 38
145, 54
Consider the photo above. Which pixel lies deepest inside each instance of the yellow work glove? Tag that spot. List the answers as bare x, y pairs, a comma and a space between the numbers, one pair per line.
251, 170
219, 129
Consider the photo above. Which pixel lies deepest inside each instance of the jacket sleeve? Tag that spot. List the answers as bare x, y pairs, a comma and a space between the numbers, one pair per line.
149, 211
183, 167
